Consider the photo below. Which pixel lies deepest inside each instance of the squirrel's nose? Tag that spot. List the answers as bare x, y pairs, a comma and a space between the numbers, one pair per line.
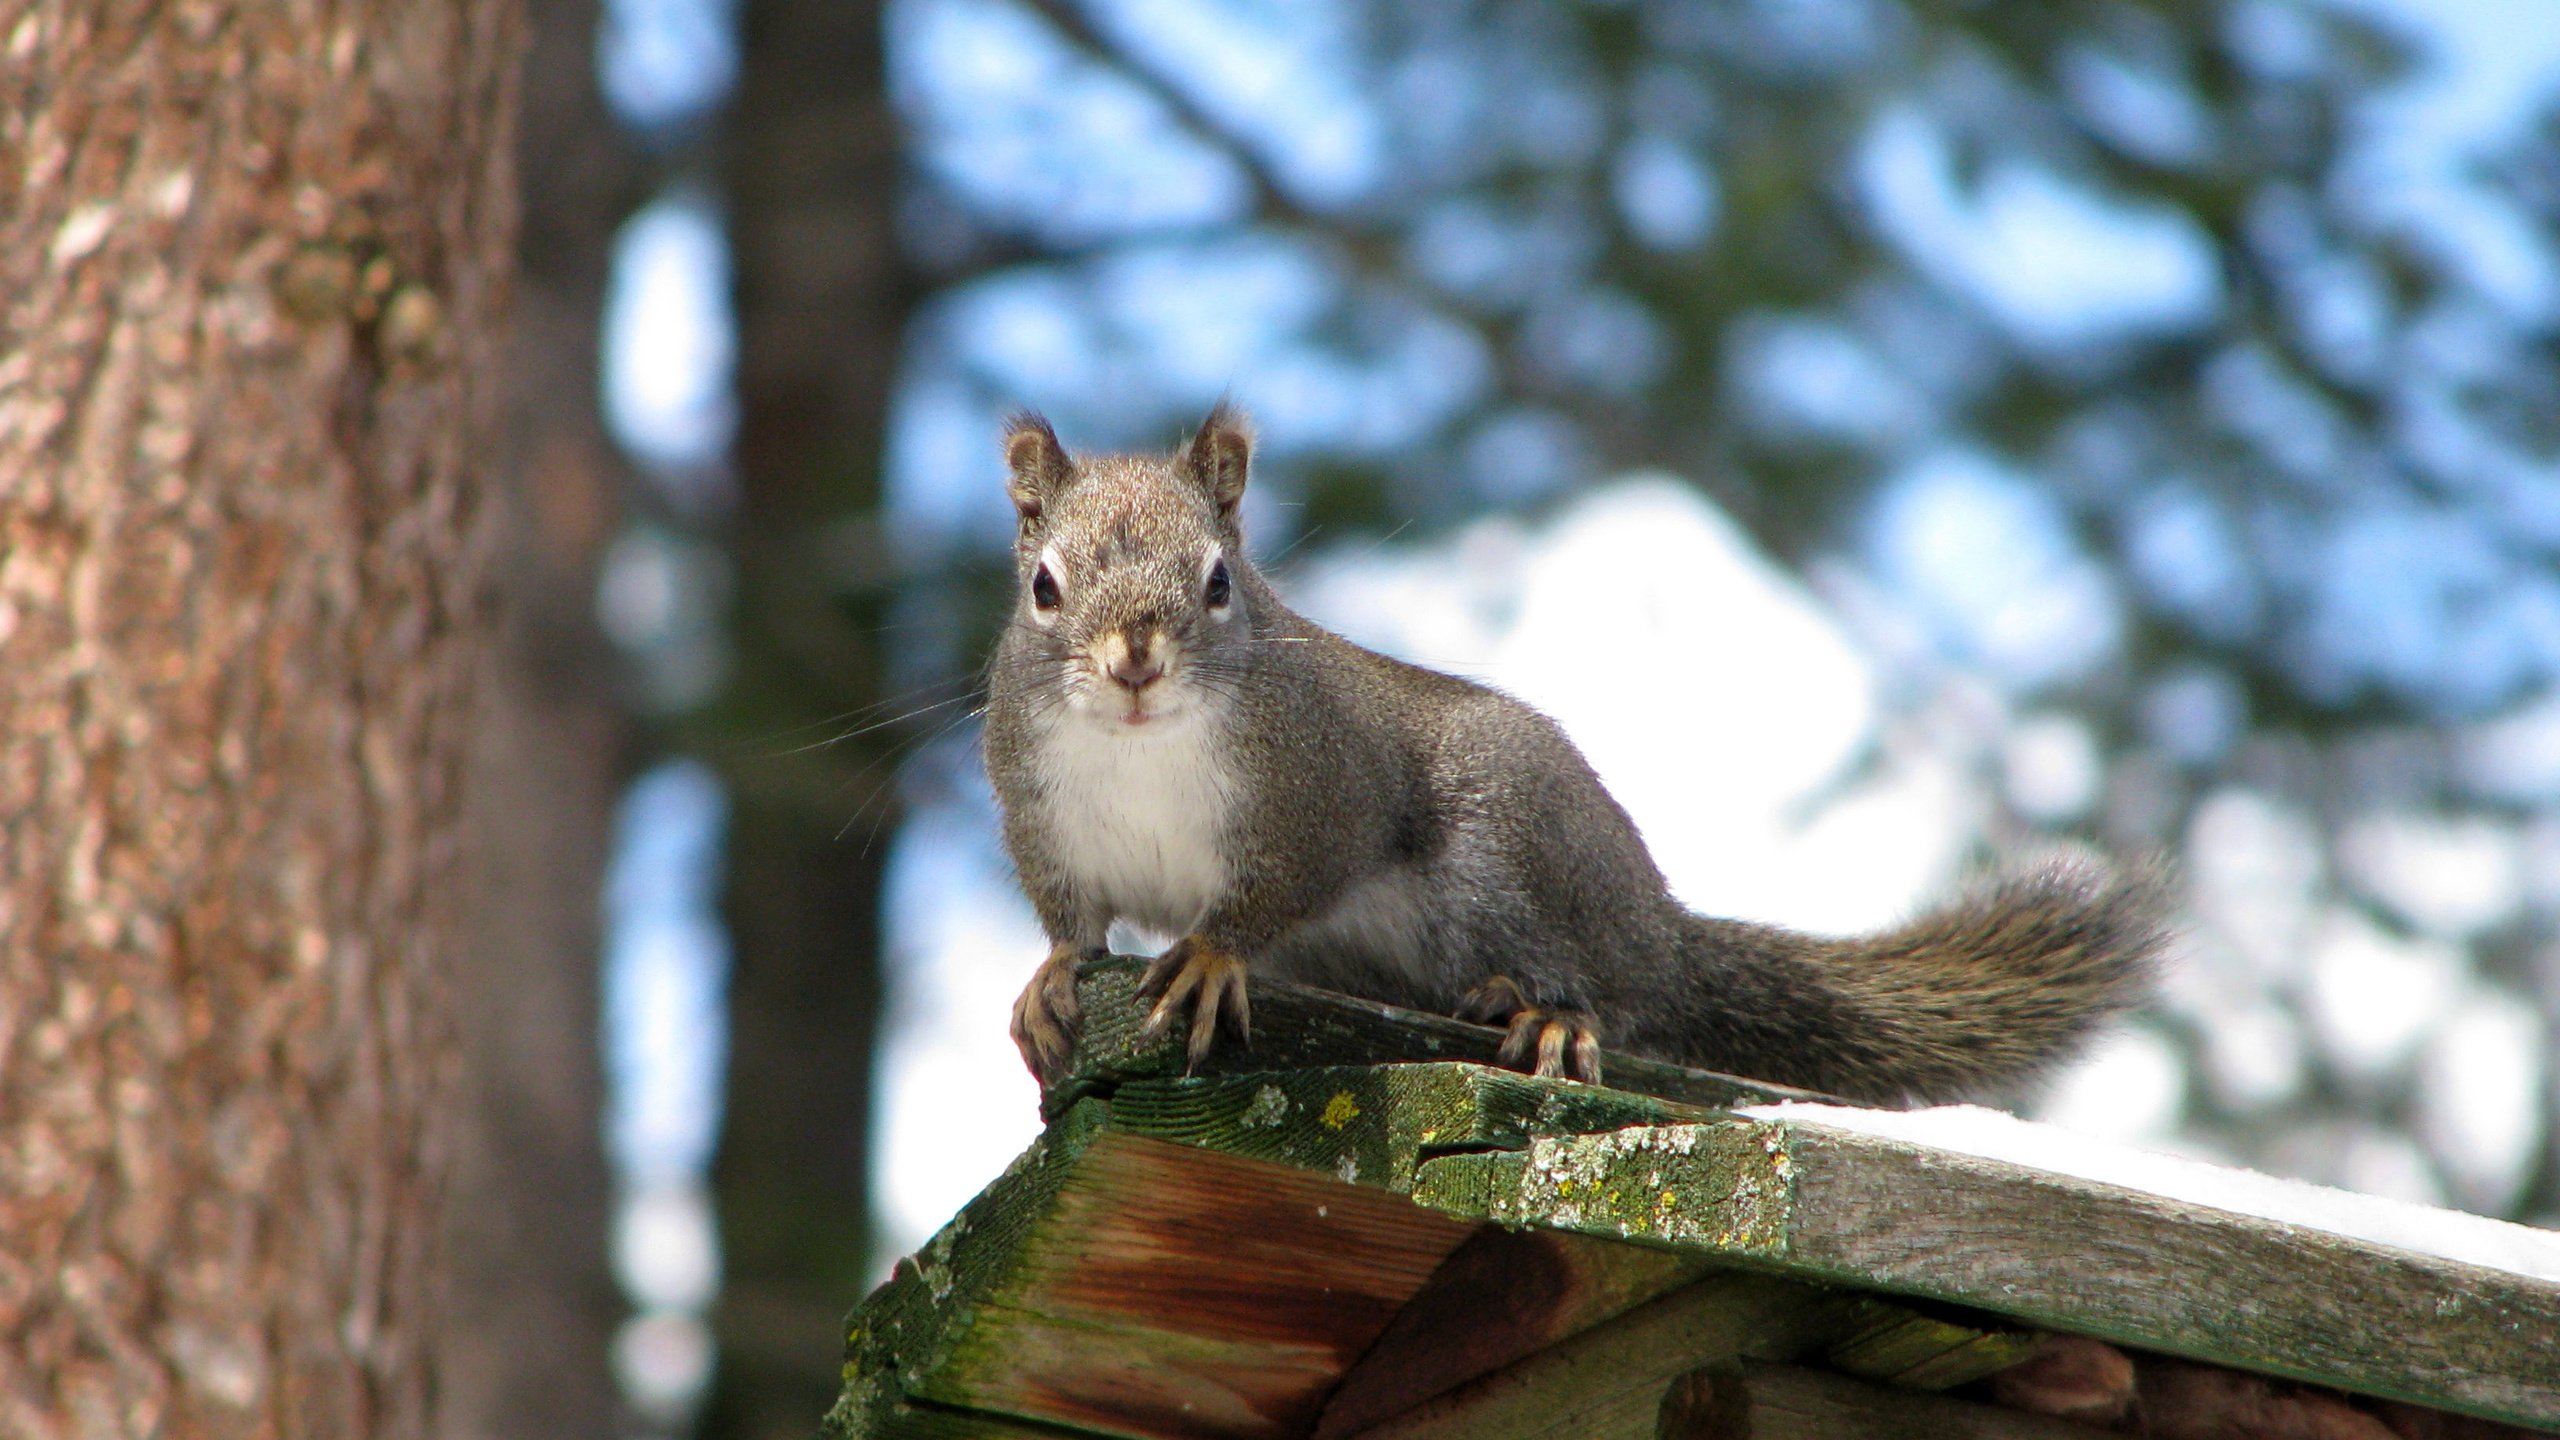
1134, 663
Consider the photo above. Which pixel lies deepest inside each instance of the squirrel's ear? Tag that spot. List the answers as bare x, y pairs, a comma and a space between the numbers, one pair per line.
1220, 453
1037, 461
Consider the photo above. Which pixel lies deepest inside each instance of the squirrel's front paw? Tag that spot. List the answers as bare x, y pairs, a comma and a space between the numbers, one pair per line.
1045, 1016
1208, 982
1561, 1042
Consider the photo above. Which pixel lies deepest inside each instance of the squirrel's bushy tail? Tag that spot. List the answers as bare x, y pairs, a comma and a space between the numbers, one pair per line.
1973, 999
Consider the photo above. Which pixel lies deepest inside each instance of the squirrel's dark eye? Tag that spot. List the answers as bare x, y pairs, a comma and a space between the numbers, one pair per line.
1219, 587
1044, 589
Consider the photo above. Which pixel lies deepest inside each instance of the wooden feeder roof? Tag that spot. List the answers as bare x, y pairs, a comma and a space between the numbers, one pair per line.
1358, 1227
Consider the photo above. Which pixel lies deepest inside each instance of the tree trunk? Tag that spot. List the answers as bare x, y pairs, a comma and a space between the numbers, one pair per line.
531, 1306
812, 168
250, 265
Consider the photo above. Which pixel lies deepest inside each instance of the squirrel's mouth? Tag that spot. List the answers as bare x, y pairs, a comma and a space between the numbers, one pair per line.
1125, 708
1127, 713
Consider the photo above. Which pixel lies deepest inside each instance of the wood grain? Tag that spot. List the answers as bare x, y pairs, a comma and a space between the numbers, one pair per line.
1498, 1298
1609, 1381
1921, 1351
1133, 1287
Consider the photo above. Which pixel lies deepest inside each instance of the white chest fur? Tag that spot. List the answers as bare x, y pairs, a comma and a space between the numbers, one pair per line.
1139, 816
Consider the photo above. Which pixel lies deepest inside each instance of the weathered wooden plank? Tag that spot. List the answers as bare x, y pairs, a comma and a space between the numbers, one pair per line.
1506, 1294
1917, 1351
1177, 1292
907, 1328
1723, 1188
1501, 1296
2043, 1248
1608, 1382
1131, 1287
1755, 1401
1297, 1026
879, 1413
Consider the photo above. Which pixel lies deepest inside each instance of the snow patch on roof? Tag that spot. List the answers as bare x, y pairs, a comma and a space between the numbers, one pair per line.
1993, 1135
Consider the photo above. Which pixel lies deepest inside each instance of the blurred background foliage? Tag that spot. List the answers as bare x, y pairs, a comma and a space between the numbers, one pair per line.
2161, 393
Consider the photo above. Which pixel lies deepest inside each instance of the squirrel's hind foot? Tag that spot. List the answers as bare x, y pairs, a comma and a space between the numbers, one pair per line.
1207, 983
1550, 1043
1045, 1015
1563, 1041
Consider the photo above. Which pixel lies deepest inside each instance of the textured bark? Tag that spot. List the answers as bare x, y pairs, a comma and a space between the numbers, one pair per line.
248, 269
812, 167
530, 1303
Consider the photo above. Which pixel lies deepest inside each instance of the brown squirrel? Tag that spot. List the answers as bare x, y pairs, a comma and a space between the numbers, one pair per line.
1174, 747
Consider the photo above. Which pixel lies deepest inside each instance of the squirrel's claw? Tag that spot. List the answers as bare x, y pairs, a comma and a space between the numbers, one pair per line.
1197, 977
1544, 1042
1562, 1040
1045, 1015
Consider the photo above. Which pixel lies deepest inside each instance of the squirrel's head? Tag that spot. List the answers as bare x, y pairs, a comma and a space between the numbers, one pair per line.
1130, 569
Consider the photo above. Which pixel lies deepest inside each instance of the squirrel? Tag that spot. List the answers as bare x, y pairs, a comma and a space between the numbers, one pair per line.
1172, 746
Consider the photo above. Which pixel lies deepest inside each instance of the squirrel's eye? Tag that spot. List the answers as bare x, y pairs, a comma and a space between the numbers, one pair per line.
1219, 587
1044, 589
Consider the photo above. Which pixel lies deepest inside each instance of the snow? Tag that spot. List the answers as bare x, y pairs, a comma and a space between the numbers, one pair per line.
2452, 876
2374, 996
1993, 1135
2050, 768
2479, 1103
2130, 1086
2254, 1056
2254, 865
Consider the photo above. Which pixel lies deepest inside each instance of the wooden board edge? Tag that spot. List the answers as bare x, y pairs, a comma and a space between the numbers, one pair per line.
1375, 1124
1845, 1208
907, 1326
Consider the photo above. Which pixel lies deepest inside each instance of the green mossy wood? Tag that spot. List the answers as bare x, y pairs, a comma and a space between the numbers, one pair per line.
1358, 1228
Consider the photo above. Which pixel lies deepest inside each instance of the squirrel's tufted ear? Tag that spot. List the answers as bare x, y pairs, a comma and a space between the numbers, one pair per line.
1037, 461
1220, 453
